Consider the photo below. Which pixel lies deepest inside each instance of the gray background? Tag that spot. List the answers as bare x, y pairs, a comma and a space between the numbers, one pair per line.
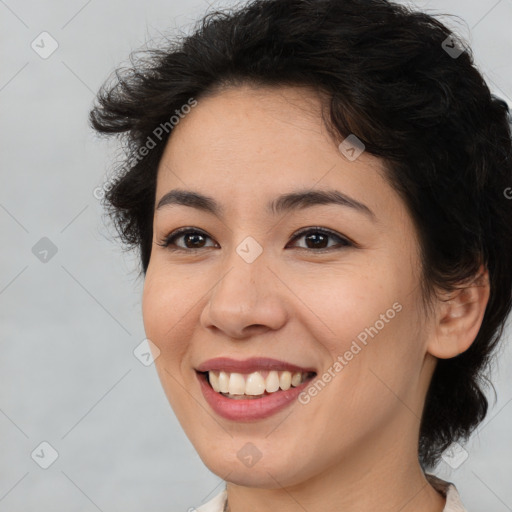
69, 326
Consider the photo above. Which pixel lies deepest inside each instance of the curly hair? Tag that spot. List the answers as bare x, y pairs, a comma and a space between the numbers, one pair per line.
388, 78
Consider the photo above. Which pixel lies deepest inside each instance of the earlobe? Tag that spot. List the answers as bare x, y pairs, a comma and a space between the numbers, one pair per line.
459, 317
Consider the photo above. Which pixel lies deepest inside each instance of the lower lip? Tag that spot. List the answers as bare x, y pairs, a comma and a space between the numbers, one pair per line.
252, 408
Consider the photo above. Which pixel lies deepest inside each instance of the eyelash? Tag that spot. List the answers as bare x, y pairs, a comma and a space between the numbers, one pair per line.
168, 241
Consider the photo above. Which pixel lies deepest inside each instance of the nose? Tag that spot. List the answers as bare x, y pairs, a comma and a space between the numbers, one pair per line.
247, 300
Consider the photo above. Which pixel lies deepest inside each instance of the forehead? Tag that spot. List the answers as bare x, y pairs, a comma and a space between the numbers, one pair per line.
239, 123
244, 143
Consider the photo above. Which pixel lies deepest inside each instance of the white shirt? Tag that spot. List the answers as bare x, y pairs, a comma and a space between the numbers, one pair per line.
447, 489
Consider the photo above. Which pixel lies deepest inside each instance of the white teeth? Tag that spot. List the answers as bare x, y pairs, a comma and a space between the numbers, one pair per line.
223, 382
296, 379
214, 381
236, 384
285, 380
254, 384
272, 382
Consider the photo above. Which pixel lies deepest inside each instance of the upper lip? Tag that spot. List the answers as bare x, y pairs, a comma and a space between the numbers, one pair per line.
250, 365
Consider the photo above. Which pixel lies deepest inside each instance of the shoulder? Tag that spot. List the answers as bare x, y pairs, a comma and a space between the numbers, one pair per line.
216, 504
449, 491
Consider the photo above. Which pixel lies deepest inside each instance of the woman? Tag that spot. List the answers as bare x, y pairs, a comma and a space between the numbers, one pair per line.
317, 191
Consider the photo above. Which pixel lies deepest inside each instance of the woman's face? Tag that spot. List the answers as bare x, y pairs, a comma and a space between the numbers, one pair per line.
341, 298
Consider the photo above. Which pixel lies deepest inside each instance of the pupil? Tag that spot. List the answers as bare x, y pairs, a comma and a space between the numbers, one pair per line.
317, 235
189, 237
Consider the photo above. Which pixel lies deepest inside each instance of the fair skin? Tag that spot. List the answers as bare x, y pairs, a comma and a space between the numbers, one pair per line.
354, 446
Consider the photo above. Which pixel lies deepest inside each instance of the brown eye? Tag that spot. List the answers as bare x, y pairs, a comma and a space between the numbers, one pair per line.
318, 238
192, 239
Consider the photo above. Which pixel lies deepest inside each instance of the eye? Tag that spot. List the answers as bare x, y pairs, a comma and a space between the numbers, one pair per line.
316, 238
191, 236
193, 239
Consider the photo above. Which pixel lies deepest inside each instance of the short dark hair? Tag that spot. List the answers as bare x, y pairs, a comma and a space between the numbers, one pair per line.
384, 70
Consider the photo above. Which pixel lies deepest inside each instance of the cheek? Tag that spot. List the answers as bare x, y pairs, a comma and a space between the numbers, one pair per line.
379, 377
165, 304
343, 303
367, 321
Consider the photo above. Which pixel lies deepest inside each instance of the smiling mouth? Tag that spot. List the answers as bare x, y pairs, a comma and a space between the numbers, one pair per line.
249, 386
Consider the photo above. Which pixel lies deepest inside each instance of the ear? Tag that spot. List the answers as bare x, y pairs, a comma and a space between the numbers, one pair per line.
459, 317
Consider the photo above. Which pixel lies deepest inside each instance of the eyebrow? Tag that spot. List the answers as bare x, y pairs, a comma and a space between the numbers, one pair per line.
298, 200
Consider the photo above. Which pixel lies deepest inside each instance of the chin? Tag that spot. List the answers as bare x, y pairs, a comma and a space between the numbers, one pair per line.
275, 472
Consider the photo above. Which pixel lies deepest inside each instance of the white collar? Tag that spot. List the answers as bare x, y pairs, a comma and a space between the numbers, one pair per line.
447, 489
